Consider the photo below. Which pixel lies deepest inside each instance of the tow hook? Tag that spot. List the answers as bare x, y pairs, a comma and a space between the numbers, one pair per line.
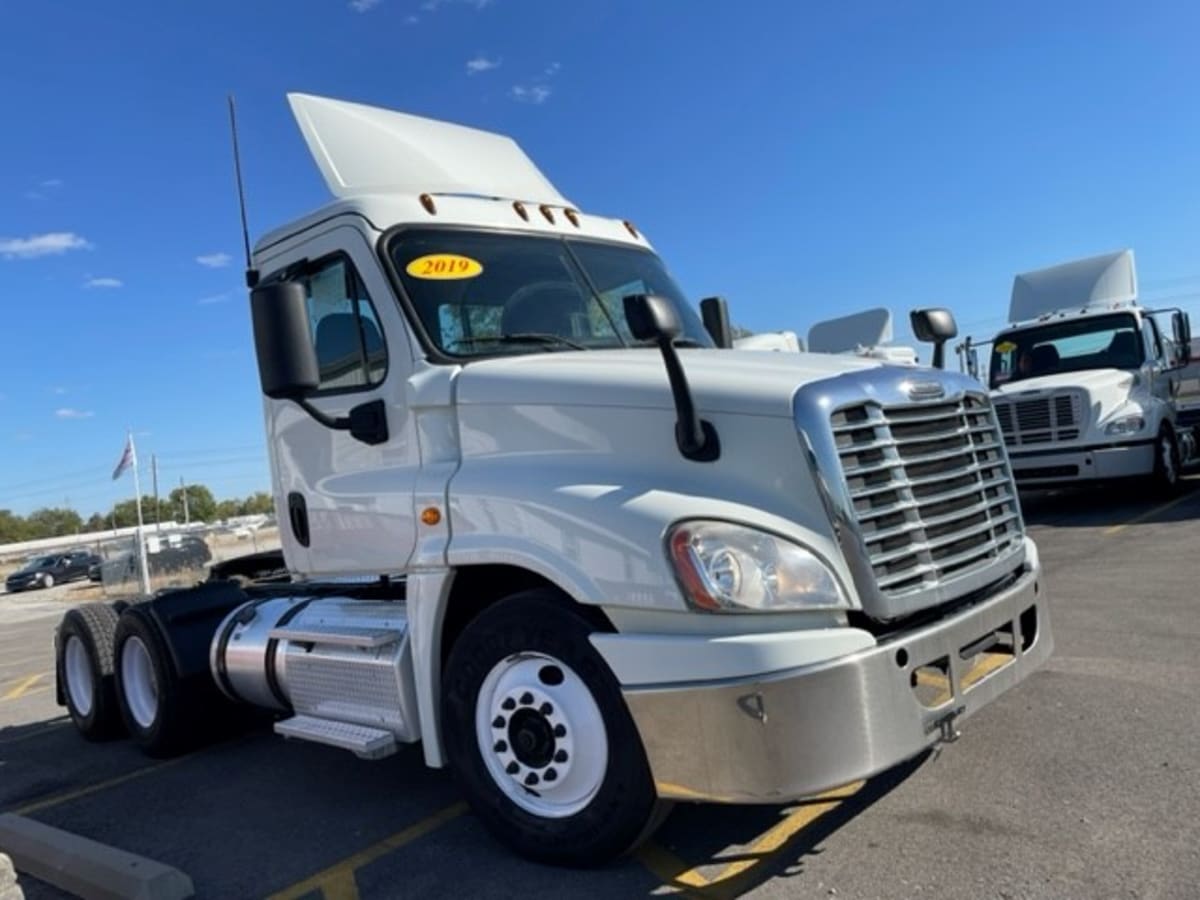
947, 733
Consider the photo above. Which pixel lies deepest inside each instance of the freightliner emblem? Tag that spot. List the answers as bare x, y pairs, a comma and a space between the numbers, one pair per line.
925, 390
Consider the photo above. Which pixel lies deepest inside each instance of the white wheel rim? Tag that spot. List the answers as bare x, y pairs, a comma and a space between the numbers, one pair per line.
541, 735
78, 669
48, 580
138, 684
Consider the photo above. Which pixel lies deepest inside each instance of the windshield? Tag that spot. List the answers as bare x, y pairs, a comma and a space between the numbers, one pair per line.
1097, 342
483, 294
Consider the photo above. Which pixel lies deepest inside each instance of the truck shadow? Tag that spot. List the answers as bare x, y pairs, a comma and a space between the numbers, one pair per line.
731, 850
1110, 505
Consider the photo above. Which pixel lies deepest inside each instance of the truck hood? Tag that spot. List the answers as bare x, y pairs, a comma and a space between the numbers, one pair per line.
723, 381
1094, 381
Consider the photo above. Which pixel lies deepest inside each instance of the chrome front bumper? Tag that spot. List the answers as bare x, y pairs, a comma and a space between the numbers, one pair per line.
784, 735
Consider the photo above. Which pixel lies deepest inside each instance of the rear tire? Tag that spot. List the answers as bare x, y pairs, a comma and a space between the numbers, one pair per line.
84, 662
1166, 462
574, 788
153, 701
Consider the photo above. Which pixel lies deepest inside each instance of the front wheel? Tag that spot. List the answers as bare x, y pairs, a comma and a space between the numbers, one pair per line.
47, 580
538, 735
1166, 462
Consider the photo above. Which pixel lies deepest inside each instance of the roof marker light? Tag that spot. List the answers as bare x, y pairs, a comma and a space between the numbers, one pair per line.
521, 211
427, 202
547, 212
629, 227
572, 216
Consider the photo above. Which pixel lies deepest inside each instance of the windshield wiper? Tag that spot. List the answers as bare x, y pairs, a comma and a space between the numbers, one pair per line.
524, 337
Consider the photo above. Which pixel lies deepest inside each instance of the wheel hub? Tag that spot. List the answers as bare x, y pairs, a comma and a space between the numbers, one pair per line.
541, 735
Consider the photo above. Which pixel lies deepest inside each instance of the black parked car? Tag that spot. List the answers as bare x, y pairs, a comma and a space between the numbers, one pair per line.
47, 571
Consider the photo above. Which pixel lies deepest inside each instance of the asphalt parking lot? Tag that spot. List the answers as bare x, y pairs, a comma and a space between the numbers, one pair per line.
1084, 782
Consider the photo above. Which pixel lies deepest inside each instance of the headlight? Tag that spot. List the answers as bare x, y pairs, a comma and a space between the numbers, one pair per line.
1125, 425
731, 567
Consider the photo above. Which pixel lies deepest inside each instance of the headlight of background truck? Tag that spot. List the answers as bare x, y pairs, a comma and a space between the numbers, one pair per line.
731, 567
1125, 425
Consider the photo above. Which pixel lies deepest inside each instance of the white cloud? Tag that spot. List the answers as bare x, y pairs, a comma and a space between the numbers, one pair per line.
215, 298
432, 6
59, 390
104, 283
67, 412
214, 260
536, 94
481, 64
34, 195
552, 69
362, 6
52, 183
53, 243
411, 20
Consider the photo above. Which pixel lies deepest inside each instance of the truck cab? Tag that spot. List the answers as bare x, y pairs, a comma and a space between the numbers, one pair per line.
1084, 382
533, 518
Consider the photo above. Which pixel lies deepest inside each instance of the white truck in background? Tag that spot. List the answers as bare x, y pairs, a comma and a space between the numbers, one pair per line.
536, 517
867, 334
1085, 380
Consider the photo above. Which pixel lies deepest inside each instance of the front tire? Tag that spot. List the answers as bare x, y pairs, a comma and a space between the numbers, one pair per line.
1166, 462
84, 651
539, 737
47, 580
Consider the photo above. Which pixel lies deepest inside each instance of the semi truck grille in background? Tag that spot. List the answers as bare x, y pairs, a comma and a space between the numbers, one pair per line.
930, 488
1040, 420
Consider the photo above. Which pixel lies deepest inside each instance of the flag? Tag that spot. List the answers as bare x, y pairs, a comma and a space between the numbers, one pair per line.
128, 458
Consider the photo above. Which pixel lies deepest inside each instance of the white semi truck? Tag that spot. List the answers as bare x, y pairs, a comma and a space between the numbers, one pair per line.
533, 518
1085, 380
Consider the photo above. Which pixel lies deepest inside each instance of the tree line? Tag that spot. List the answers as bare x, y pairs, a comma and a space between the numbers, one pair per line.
201, 506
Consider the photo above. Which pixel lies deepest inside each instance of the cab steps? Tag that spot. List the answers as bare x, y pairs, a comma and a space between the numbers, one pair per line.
362, 740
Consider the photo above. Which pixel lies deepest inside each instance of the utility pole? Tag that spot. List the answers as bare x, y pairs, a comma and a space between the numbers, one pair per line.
187, 519
157, 502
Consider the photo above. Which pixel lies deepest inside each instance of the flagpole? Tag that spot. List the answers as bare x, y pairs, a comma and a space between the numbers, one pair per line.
141, 540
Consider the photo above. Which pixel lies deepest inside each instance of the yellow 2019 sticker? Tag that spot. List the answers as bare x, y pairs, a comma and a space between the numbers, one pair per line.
444, 267
1006, 347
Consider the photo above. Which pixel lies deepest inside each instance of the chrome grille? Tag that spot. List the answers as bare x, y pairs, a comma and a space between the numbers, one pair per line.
1040, 420
930, 489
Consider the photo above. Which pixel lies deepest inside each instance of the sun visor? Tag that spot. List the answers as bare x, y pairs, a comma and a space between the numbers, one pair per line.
366, 150
868, 328
1095, 281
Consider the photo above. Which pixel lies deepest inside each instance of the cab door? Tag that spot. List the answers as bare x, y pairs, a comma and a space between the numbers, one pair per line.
345, 505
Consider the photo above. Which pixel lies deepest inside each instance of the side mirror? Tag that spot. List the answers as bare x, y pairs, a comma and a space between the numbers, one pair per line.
651, 318
655, 319
715, 313
287, 362
1181, 329
934, 326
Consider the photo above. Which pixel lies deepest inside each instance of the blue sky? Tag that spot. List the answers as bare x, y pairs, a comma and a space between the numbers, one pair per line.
802, 161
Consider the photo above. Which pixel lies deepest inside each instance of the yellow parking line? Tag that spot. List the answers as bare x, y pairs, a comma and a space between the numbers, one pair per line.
23, 686
779, 835
670, 869
1162, 507
337, 882
76, 794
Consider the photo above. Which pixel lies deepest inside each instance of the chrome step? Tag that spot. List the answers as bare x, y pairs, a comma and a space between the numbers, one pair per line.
340, 635
361, 740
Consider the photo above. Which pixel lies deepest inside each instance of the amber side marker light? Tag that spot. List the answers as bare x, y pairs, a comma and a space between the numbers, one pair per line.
431, 515
427, 202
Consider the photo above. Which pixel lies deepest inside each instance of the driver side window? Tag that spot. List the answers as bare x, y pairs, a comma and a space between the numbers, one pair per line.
346, 334
1154, 343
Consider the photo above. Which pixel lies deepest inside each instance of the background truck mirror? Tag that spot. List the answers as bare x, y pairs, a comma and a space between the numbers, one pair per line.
934, 326
1181, 328
715, 313
287, 362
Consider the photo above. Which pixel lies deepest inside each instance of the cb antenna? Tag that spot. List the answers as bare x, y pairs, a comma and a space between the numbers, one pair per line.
251, 272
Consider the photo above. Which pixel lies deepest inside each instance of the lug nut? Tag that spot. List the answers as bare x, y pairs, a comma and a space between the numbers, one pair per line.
500, 747
498, 722
546, 709
550, 775
560, 756
526, 699
512, 768
560, 731
531, 779
509, 703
